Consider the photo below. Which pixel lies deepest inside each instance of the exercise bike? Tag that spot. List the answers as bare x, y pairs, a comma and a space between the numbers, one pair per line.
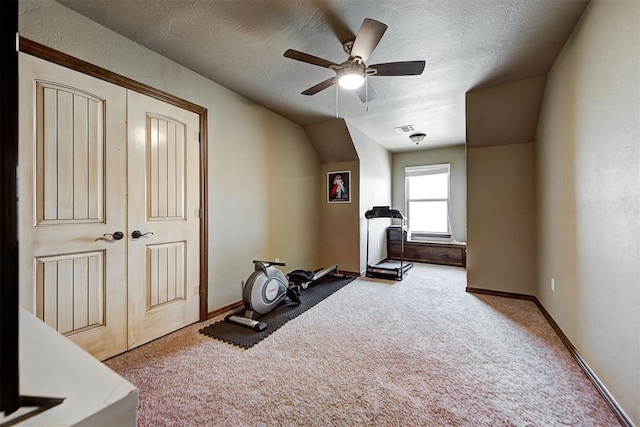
267, 287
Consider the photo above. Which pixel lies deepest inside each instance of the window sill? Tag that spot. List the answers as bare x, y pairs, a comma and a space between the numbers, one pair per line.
433, 242
427, 236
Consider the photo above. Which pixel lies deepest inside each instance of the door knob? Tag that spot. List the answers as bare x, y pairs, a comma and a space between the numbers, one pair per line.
136, 234
116, 236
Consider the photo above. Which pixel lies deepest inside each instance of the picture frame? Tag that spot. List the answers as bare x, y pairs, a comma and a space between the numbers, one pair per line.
339, 187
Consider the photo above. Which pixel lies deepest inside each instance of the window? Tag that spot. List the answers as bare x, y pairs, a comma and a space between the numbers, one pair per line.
427, 200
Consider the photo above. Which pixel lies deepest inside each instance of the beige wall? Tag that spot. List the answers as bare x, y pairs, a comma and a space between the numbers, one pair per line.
588, 161
501, 218
340, 229
340, 226
501, 127
264, 174
375, 190
456, 156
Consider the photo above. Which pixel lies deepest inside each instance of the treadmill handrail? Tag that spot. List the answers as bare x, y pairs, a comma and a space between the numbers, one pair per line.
383, 212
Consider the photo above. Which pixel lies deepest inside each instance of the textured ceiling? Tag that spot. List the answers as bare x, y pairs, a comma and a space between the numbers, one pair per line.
240, 44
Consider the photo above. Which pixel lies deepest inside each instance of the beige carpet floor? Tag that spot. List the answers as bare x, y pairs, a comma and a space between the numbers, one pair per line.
376, 353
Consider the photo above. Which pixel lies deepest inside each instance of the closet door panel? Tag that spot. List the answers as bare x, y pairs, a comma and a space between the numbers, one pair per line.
164, 265
72, 199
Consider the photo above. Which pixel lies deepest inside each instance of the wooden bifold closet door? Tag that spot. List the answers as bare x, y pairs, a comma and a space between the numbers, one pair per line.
86, 183
164, 205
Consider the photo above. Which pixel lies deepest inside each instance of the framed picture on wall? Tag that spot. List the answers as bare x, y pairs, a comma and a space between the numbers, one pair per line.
339, 187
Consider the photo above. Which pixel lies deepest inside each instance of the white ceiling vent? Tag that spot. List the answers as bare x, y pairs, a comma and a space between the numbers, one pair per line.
405, 129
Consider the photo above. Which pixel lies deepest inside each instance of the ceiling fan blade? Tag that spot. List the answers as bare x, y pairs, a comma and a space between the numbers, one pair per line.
309, 59
320, 86
367, 94
335, 20
368, 38
406, 68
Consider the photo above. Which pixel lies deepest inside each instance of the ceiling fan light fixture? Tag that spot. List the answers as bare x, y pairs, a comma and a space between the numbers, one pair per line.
351, 76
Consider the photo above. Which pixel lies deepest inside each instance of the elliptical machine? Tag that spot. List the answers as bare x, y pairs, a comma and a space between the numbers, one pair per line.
267, 287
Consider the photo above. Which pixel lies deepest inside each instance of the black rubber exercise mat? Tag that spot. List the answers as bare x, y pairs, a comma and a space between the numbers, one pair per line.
246, 338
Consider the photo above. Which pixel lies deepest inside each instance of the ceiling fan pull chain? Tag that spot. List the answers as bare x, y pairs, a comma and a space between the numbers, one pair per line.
366, 95
337, 115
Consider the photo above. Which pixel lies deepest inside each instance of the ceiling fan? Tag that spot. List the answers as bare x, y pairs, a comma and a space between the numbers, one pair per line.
353, 73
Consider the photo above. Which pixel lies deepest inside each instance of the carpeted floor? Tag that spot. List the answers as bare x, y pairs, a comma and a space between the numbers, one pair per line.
416, 352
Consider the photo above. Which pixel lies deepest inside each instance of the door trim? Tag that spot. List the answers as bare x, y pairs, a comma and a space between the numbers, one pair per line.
44, 52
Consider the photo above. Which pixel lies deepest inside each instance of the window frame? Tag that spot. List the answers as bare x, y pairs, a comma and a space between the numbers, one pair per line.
434, 169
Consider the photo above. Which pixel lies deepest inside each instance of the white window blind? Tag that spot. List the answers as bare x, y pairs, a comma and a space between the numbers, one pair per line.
427, 200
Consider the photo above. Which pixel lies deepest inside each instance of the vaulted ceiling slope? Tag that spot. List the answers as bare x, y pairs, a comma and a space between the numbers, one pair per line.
240, 44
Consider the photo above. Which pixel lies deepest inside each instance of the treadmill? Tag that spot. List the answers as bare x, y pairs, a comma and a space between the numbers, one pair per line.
387, 269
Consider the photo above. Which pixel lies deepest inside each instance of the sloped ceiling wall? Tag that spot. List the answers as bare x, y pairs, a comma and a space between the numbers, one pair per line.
332, 141
505, 114
340, 230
